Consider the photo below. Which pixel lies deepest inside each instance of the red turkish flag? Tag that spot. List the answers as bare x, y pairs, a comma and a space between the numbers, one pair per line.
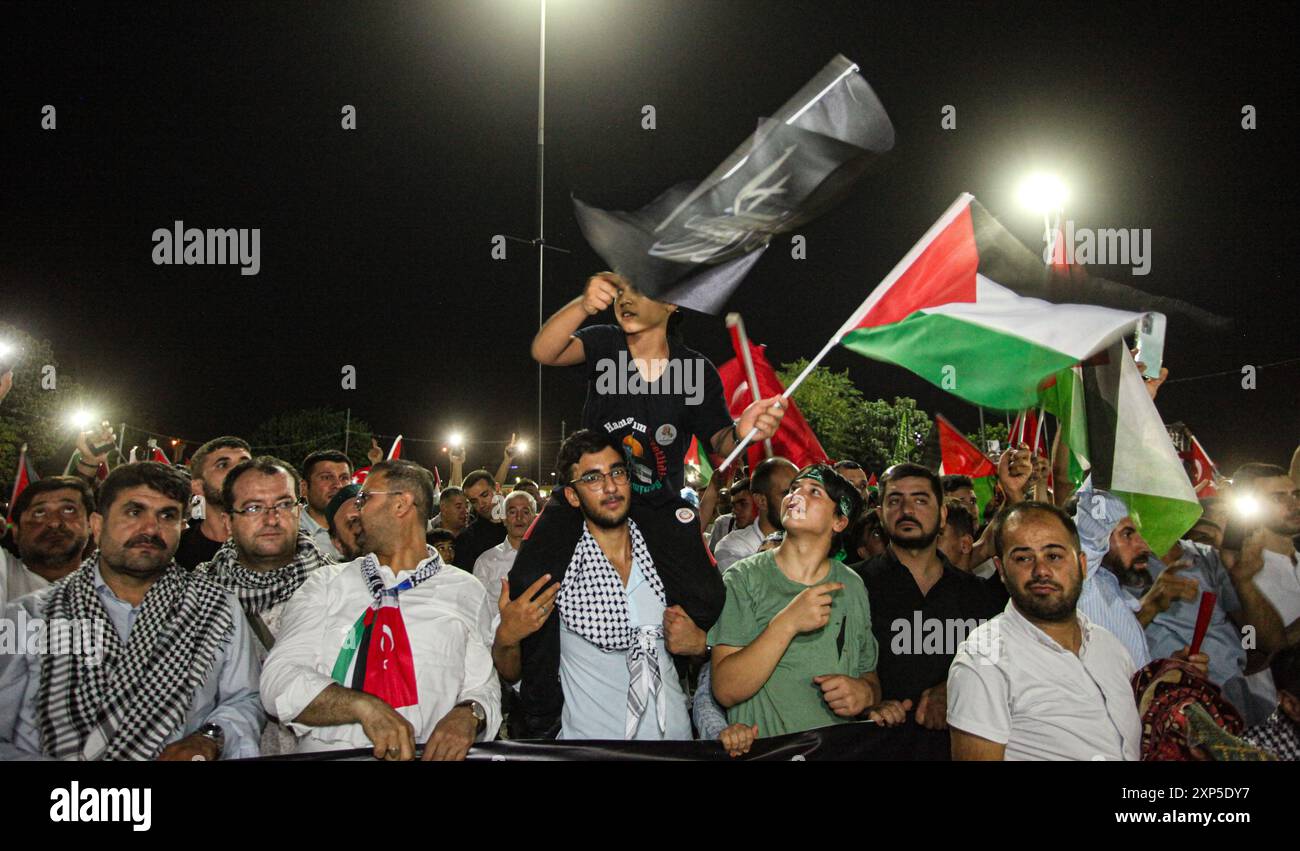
390, 668
794, 439
1203, 470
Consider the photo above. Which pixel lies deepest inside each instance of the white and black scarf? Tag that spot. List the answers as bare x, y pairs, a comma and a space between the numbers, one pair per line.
593, 603
127, 705
259, 590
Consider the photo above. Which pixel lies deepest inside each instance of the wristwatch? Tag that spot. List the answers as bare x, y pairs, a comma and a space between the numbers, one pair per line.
216, 734
480, 714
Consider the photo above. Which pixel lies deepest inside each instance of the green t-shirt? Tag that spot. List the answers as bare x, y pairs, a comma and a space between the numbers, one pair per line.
790, 702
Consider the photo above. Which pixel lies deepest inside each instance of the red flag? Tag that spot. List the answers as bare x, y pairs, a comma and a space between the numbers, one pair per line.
1203, 469
396, 451
960, 456
390, 668
794, 439
25, 476
437, 480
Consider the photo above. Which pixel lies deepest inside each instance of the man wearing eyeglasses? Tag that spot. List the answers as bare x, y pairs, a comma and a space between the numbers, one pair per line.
51, 528
392, 649
267, 558
627, 600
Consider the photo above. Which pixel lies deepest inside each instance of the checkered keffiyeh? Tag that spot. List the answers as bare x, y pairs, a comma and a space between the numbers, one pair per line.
593, 604
260, 590
1278, 735
126, 706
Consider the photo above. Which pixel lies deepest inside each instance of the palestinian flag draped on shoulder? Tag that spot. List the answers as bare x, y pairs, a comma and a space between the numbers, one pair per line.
1115, 433
964, 310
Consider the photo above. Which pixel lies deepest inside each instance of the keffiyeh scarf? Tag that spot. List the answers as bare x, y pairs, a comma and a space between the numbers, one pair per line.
593, 604
260, 590
126, 706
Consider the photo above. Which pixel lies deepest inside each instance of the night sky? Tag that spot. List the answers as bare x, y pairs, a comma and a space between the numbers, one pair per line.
375, 243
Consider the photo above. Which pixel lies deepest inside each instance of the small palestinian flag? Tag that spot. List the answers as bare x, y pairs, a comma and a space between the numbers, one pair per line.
376, 656
25, 476
395, 451
963, 458
700, 461
967, 309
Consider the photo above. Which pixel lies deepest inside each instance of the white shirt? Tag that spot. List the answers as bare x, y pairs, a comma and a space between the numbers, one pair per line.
1012, 684
493, 566
1279, 582
448, 620
16, 579
723, 526
739, 544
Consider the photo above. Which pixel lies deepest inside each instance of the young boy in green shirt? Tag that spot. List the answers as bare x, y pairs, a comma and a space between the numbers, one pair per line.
793, 649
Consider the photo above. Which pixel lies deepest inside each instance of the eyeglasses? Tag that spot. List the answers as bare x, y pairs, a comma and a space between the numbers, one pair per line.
284, 506
361, 498
594, 480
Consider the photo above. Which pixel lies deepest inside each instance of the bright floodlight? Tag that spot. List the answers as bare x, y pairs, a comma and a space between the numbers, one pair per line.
81, 420
5, 349
1247, 506
521, 446
1042, 193
456, 440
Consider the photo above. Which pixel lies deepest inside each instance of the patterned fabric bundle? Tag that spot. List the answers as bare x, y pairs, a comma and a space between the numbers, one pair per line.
258, 590
126, 706
1184, 717
593, 604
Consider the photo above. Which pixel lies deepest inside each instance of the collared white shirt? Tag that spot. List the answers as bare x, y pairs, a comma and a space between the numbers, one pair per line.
493, 566
448, 621
1013, 684
739, 544
723, 526
320, 535
17, 579
1279, 582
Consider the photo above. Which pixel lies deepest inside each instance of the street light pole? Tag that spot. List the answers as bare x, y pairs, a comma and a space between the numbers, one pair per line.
541, 231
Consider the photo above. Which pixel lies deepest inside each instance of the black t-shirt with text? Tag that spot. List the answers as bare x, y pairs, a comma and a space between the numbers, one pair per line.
653, 421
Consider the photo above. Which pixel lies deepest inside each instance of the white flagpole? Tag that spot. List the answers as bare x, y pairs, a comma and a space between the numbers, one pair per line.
734, 321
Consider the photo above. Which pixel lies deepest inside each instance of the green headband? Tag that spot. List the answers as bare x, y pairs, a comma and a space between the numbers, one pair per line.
818, 473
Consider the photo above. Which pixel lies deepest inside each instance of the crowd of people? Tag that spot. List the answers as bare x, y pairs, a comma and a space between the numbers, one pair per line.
245, 605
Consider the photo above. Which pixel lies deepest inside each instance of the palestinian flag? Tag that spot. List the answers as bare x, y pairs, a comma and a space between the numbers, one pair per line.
376, 656
1112, 426
873, 484
965, 310
700, 461
904, 441
395, 451
25, 476
963, 458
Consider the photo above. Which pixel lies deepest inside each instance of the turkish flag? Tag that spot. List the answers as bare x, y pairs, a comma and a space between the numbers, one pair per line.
1202, 468
390, 668
794, 439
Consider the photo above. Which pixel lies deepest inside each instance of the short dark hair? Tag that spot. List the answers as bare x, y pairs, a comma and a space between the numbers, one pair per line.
847, 464
868, 521
478, 476
1247, 474
167, 480
448, 493
439, 535
523, 483
908, 470
53, 483
268, 465
201, 454
309, 463
1032, 506
416, 479
955, 482
582, 442
761, 480
959, 516
740, 485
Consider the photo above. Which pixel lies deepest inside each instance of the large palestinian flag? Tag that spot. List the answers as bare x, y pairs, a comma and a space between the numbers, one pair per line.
1114, 431
963, 458
964, 310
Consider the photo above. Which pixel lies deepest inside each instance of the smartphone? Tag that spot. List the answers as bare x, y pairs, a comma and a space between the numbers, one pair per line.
1236, 530
1151, 343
